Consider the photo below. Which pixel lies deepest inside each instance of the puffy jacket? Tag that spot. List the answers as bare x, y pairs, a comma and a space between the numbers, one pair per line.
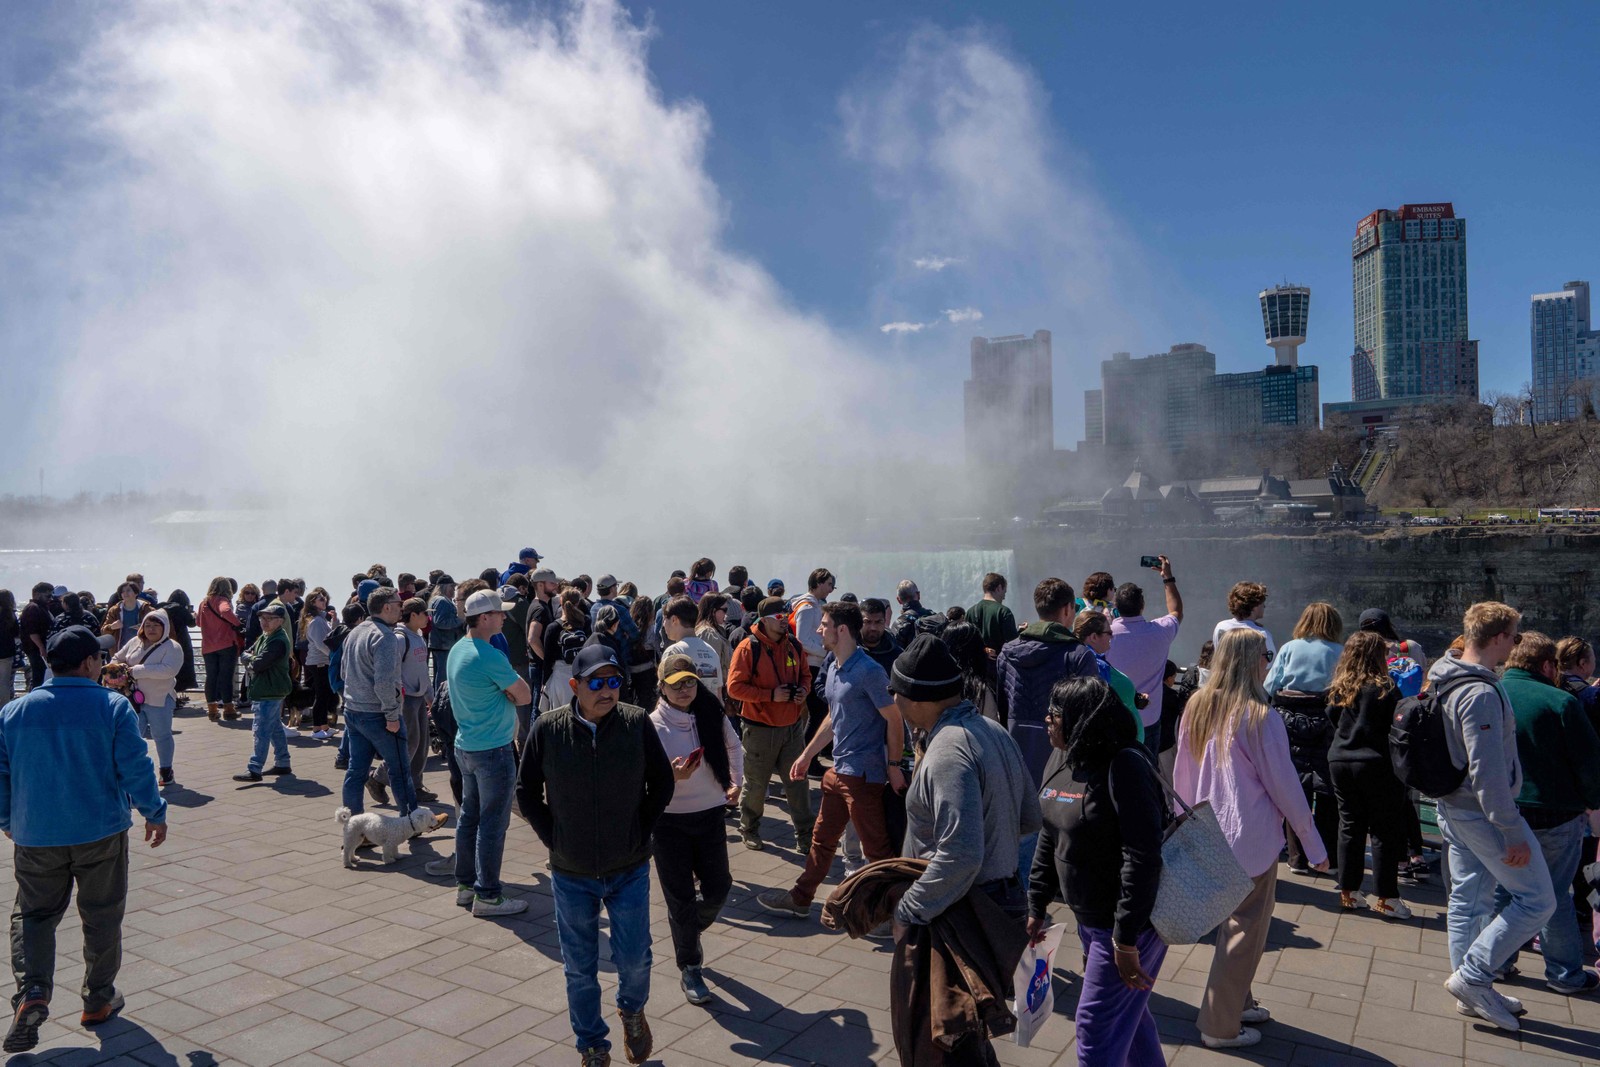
1027, 668
154, 667
1306, 717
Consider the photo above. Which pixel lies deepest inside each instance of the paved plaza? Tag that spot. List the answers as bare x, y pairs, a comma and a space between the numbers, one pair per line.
247, 942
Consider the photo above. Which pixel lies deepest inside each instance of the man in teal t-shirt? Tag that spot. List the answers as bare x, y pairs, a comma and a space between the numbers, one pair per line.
484, 693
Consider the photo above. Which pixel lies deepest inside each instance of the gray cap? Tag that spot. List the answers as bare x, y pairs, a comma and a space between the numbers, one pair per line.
606, 581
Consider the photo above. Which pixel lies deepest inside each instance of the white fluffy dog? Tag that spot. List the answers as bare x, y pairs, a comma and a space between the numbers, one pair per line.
385, 831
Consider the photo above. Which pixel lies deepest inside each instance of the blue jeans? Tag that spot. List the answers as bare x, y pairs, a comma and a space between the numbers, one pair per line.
626, 897
488, 779
1560, 941
1027, 845
157, 722
1480, 941
370, 739
266, 727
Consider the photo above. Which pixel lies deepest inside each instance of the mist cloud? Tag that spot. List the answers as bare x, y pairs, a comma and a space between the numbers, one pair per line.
935, 263
359, 255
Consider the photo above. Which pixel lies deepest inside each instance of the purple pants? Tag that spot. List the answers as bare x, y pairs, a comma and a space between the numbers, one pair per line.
1115, 1027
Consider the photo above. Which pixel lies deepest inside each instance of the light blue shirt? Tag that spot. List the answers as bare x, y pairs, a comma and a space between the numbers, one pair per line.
1304, 665
479, 676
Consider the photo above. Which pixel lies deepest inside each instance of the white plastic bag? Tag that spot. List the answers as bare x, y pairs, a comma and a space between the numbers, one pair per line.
1032, 986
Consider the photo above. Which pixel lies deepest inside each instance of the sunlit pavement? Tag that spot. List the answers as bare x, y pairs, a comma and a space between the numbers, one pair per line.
247, 942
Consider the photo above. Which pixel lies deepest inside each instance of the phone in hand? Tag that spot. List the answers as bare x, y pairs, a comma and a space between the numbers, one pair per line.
694, 757
1150, 562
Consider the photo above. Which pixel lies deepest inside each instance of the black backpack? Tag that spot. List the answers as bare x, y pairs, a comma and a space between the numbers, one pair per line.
1417, 746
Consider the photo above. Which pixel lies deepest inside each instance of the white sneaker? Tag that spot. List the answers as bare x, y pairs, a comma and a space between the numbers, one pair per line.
291, 731
1255, 1014
441, 867
1513, 1005
464, 896
1392, 908
1484, 1002
1246, 1037
321, 735
484, 909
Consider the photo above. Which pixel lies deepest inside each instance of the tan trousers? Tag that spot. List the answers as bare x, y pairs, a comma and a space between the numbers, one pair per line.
1241, 939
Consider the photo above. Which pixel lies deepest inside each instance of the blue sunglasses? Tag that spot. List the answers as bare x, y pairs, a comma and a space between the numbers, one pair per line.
597, 684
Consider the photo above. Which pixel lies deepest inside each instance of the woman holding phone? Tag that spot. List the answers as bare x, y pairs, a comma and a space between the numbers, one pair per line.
690, 842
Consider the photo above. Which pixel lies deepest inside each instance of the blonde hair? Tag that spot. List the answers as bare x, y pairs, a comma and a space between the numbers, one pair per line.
1488, 620
1232, 700
1321, 621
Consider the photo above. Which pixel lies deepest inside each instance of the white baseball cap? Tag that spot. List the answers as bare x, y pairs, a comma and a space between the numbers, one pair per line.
485, 600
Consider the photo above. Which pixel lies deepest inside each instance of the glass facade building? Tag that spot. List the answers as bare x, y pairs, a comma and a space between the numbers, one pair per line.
1566, 354
1409, 282
1284, 311
1009, 401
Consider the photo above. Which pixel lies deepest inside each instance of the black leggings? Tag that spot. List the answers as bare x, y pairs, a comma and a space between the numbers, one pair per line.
220, 666
1371, 801
689, 846
324, 700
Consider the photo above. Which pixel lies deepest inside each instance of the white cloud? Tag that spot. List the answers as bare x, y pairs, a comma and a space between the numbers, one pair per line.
936, 263
417, 251
903, 327
962, 314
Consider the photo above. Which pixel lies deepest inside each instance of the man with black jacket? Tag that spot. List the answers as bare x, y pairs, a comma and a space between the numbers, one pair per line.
594, 780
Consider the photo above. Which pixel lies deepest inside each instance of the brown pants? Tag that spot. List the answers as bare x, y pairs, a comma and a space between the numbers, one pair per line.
846, 798
1241, 939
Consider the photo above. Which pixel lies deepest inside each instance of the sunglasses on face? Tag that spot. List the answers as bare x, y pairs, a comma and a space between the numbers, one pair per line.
687, 683
597, 684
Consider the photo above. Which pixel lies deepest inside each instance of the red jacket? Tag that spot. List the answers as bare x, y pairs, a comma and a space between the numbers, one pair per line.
218, 625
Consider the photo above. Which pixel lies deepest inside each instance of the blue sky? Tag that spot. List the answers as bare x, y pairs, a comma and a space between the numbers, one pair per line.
1126, 176
1236, 145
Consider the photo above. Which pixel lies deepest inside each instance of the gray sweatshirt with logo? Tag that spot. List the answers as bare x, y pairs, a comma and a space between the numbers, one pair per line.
1482, 737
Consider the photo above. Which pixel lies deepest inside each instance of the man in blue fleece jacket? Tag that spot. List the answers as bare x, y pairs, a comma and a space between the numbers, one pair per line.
71, 759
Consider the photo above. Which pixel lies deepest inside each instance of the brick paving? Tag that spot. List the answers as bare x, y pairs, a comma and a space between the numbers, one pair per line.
246, 942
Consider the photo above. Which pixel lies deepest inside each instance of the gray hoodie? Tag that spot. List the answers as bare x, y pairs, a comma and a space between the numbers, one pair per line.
1482, 738
371, 668
967, 808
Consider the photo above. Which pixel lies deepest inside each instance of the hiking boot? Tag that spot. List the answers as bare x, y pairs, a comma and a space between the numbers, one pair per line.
229, 712
31, 1013
636, 1037
782, 902
489, 909
596, 1057
247, 776
694, 987
377, 792
213, 712
752, 841
103, 1013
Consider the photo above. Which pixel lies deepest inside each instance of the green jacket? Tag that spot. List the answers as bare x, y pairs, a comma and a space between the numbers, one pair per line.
1558, 749
269, 666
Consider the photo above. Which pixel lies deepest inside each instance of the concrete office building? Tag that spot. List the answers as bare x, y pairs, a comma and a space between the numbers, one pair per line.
1409, 281
1009, 403
1566, 354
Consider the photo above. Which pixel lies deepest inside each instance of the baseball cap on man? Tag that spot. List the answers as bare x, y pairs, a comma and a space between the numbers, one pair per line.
273, 611
592, 658
605, 581
774, 585
529, 553
485, 600
71, 647
544, 574
59, 591
771, 606
1376, 620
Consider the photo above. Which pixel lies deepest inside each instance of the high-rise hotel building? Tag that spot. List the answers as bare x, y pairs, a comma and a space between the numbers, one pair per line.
1566, 353
1409, 277
1009, 402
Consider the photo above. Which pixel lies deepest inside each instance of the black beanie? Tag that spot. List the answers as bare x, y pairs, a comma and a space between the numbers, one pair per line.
926, 671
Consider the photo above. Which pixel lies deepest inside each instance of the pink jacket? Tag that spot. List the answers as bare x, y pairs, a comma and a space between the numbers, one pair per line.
1253, 793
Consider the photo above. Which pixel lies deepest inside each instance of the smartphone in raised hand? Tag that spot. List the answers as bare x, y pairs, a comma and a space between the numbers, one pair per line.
1150, 562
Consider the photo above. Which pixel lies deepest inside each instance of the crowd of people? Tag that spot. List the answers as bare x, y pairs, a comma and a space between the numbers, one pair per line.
974, 772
